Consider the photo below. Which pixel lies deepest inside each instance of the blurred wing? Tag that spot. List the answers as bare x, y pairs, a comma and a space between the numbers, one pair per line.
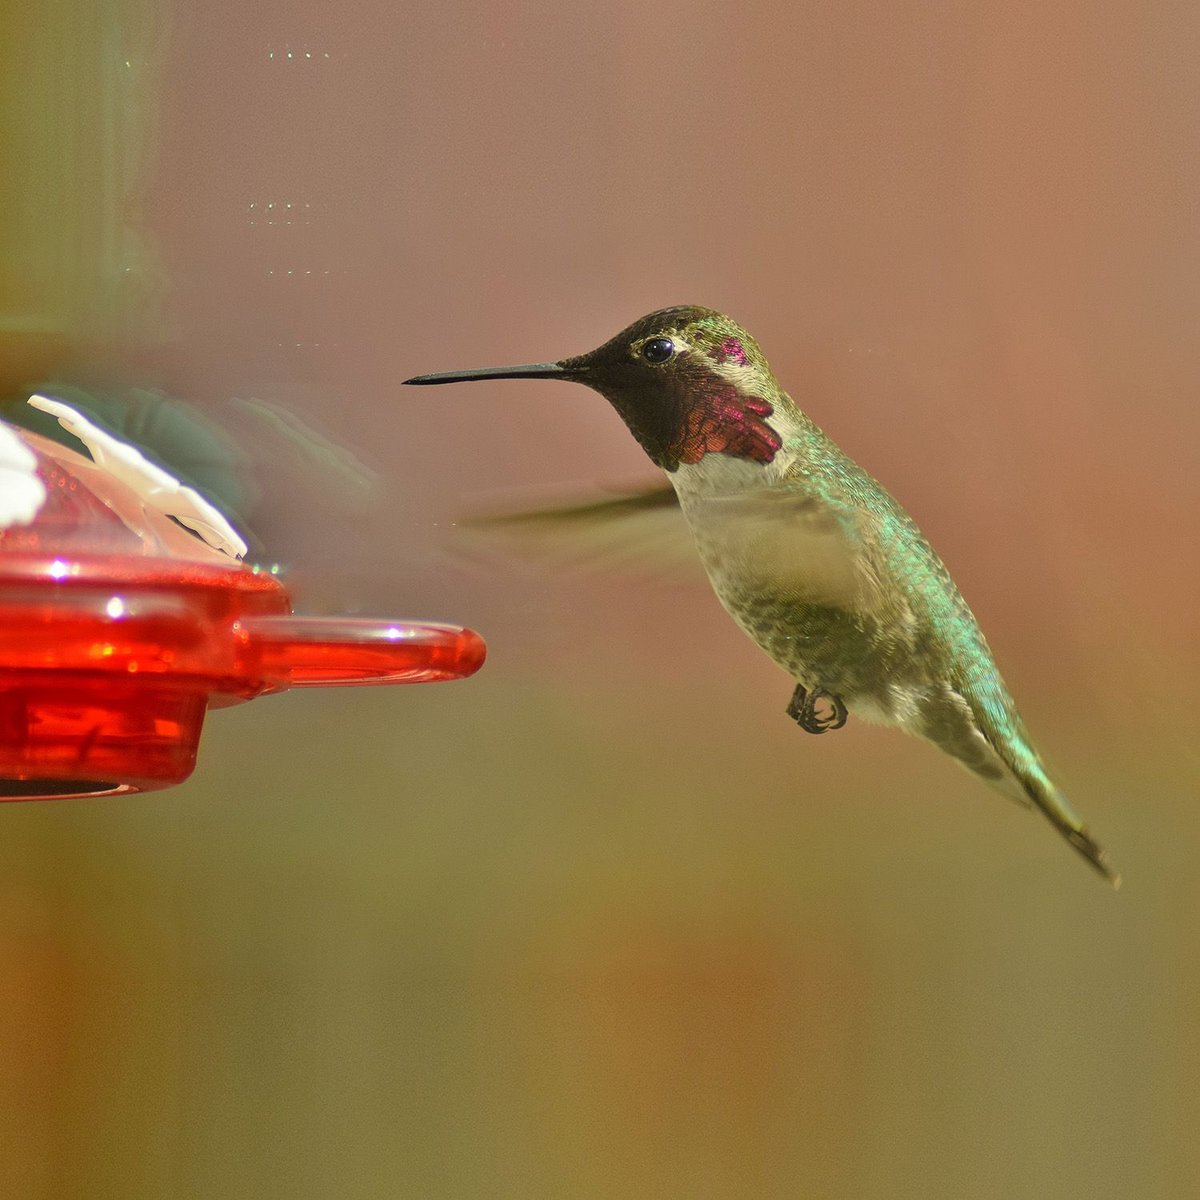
343, 478
792, 543
642, 532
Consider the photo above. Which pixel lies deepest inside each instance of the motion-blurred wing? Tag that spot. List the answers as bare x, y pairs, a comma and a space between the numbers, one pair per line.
643, 532
787, 542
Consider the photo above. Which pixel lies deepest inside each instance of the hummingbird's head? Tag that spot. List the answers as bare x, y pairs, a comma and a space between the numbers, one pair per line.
687, 381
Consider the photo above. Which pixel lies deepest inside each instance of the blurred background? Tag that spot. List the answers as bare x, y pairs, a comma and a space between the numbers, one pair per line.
600, 922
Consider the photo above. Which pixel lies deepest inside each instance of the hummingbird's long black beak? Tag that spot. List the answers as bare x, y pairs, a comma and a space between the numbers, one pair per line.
525, 371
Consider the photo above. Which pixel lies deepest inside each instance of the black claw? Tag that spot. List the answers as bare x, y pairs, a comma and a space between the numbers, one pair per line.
795, 708
840, 714
802, 708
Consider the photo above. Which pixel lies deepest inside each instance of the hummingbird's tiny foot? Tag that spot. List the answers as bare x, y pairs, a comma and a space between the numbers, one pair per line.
798, 708
816, 711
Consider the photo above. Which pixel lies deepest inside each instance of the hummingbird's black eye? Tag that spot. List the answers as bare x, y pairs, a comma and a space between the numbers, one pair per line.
658, 350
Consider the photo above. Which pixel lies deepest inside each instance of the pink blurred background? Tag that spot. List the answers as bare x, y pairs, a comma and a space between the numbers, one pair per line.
600, 922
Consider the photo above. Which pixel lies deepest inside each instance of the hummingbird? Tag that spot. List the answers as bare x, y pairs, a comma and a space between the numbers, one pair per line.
808, 553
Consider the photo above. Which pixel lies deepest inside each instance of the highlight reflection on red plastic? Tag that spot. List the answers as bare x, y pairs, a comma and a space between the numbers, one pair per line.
117, 633
319, 652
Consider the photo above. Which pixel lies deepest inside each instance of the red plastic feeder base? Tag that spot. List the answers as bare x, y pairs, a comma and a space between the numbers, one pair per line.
115, 641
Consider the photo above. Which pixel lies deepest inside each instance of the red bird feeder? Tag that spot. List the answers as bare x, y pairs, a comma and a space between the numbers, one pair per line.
119, 629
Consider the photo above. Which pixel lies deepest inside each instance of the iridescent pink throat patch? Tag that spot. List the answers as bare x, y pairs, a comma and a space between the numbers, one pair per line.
726, 422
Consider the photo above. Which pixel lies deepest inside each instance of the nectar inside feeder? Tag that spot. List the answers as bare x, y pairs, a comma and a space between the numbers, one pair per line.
119, 628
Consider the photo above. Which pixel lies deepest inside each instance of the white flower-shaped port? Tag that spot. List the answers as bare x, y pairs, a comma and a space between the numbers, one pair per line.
22, 493
158, 489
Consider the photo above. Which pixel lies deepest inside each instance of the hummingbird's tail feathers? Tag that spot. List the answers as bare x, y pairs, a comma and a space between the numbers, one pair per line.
1028, 772
999, 751
1054, 805
1095, 854
1032, 787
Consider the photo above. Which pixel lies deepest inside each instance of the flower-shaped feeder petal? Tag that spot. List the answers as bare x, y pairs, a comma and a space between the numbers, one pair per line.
119, 629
